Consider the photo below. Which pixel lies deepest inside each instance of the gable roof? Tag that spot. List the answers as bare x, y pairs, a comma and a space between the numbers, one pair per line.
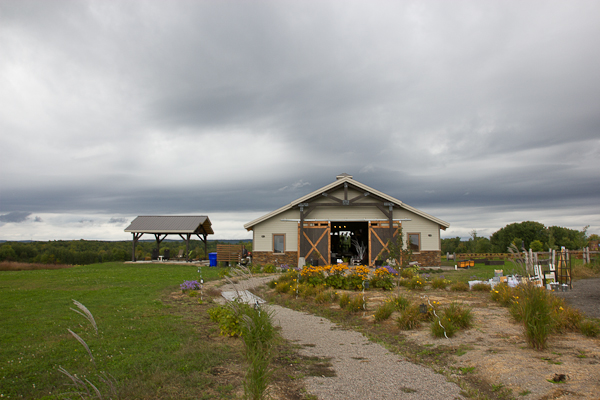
171, 224
340, 180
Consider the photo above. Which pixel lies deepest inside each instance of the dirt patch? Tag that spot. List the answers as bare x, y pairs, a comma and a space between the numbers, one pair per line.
494, 356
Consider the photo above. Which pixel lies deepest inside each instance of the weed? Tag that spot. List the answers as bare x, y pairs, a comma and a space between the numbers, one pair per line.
344, 300
481, 287
384, 311
467, 370
357, 303
524, 392
410, 318
589, 328
400, 303
459, 287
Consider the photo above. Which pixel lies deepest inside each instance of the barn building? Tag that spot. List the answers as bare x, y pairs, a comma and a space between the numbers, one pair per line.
325, 225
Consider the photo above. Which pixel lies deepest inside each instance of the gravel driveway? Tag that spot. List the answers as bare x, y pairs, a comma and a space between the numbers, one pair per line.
363, 370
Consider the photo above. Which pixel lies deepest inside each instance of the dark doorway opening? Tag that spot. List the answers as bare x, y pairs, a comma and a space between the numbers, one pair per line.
345, 236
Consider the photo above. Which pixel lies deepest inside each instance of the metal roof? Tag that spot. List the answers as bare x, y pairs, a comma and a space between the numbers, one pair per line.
171, 224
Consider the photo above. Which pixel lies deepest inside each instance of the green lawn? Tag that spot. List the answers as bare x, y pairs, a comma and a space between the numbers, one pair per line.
150, 342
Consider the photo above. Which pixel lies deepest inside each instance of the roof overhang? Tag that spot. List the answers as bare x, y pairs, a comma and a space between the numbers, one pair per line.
340, 181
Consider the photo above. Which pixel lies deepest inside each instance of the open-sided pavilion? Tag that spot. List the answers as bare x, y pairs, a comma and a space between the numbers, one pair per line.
163, 225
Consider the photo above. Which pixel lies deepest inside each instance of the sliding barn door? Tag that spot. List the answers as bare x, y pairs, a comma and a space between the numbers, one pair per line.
379, 235
315, 241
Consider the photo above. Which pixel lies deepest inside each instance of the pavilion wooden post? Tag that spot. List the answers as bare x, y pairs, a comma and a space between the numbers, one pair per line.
136, 237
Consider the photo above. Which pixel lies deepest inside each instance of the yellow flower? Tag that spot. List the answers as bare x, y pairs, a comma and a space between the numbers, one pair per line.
560, 308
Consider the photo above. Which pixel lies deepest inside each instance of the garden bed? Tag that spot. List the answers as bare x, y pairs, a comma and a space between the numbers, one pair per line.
492, 357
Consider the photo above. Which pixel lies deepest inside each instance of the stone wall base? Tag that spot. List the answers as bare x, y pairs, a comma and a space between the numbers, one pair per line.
428, 258
425, 258
267, 257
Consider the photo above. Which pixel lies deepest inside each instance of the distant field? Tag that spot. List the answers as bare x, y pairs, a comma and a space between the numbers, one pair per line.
19, 266
148, 339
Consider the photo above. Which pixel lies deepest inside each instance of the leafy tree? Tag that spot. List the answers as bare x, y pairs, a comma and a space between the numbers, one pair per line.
536, 245
527, 232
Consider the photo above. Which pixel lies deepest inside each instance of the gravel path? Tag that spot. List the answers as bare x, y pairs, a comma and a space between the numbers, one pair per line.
363, 370
585, 296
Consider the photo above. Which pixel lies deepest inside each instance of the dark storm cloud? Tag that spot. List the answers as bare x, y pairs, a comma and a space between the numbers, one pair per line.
133, 108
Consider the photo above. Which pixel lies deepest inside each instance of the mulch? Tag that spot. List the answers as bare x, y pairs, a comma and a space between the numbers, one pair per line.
585, 296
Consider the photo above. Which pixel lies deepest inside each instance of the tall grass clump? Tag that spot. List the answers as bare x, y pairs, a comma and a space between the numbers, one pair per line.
409, 318
258, 334
400, 303
537, 315
589, 328
84, 388
384, 311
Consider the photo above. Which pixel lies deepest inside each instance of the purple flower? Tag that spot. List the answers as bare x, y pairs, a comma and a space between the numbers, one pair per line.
189, 285
391, 270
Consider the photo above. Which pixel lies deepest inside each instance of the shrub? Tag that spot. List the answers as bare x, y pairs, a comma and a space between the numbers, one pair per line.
384, 311
417, 282
344, 300
589, 328
502, 294
399, 302
357, 303
228, 318
459, 287
326, 296
439, 283
410, 318
443, 327
336, 281
407, 273
459, 315
313, 275
269, 269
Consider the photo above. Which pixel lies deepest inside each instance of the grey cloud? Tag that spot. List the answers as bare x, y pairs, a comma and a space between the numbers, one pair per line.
15, 217
424, 101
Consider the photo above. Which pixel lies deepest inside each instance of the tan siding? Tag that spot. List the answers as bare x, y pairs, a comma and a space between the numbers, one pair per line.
346, 213
276, 225
418, 224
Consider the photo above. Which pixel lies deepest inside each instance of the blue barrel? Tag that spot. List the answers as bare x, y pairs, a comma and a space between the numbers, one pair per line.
212, 258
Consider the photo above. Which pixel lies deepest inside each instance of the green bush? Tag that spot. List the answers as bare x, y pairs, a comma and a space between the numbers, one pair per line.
461, 316
400, 303
502, 294
417, 282
439, 283
269, 269
384, 283
344, 300
443, 327
229, 318
336, 281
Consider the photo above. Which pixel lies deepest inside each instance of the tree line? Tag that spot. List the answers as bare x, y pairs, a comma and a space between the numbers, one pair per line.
528, 235
83, 252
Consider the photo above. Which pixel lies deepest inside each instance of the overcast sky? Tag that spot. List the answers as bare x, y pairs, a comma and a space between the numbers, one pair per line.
481, 113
